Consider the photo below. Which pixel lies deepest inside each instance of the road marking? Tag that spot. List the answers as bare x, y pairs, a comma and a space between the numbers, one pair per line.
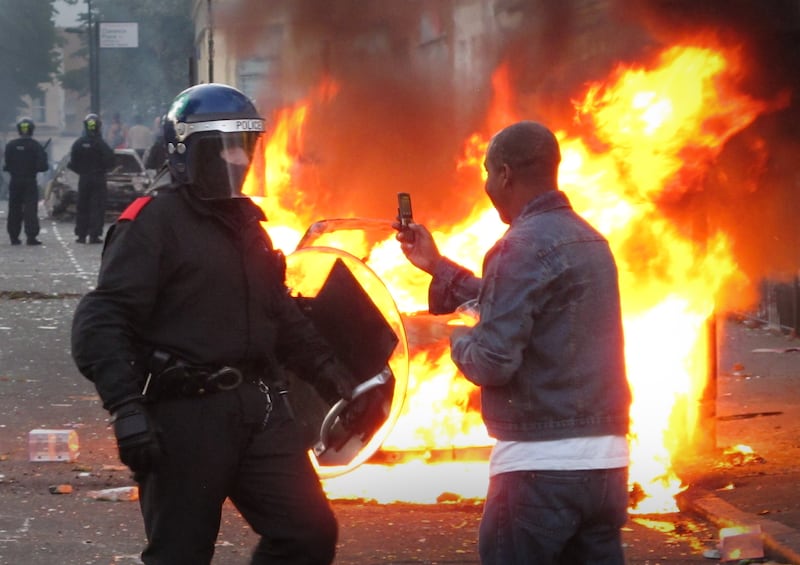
17, 533
88, 276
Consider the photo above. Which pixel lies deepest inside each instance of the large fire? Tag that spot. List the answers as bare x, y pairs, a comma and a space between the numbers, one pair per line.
646, 132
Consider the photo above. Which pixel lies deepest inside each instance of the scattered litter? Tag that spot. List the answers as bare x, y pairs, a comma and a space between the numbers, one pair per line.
738, 370
60, 489
52, 445
115, 494
741, 455
132, 558
113, 468
741, 542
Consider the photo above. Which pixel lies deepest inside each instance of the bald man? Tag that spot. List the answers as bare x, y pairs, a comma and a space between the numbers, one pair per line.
547, 354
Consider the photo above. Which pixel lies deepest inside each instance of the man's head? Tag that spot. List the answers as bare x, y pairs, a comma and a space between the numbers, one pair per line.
521, 163
92, 125
25, 127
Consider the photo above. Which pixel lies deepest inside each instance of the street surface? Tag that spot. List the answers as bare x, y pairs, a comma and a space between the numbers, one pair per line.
41, 388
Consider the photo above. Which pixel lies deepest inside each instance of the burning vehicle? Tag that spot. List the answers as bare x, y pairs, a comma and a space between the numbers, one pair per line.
128, 180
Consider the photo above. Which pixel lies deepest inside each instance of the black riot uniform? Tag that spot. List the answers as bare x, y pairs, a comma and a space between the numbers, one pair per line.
91, 157
185, 338
156, 155
24, 158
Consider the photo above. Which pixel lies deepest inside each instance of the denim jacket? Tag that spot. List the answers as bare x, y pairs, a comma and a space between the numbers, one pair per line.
548, 351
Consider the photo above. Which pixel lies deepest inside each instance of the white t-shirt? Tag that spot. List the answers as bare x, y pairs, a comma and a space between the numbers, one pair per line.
572, 454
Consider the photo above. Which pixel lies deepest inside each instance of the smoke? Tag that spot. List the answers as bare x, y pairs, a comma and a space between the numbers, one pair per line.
399, 121
391, 126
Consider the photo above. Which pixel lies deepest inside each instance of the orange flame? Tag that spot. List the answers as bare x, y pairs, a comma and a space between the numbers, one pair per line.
273, 181
659, 130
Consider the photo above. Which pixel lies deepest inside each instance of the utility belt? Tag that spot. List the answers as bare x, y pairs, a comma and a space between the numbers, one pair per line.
169, 377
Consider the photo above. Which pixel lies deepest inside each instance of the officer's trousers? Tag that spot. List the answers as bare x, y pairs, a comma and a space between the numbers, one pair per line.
216, 449
91, 205
23, 208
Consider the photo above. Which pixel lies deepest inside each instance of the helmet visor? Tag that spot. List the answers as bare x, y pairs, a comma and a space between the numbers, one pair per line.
219, 162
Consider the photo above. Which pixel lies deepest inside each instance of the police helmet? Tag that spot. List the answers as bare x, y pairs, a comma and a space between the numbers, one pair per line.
92, 124
25, 127
211, 132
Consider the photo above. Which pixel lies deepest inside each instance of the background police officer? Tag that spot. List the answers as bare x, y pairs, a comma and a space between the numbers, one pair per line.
186, 337
91, 157
24, 157
156, 155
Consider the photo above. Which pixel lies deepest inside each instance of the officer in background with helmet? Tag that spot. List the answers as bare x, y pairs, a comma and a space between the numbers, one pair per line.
185, 338
24, 157
91, 157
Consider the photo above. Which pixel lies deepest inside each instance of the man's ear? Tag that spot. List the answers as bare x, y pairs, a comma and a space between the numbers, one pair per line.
506, 175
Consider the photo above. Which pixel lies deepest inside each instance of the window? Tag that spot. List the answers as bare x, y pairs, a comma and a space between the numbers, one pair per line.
38, 109
125, 163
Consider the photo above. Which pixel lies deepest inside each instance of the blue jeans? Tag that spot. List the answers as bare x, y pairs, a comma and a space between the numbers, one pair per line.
555, 517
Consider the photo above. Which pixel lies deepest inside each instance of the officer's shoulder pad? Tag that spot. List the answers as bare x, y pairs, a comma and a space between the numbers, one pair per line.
134, 208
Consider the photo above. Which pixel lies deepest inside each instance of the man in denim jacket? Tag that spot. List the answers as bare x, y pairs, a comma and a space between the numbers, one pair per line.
548, 354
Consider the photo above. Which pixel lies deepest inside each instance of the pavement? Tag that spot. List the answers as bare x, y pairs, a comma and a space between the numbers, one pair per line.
758, 405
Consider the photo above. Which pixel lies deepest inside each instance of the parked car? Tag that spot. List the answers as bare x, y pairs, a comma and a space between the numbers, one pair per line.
128, 180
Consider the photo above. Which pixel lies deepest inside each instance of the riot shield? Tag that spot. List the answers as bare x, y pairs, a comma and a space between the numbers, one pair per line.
355, 313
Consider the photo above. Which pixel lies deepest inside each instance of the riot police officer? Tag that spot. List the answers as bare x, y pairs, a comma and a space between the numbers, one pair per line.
91, 157
24, 157
156, 155
186, 338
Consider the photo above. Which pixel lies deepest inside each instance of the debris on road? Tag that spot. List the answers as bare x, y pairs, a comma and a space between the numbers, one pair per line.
115, 494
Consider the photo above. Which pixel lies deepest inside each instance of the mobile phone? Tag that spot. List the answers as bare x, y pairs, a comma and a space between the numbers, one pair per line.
404, 214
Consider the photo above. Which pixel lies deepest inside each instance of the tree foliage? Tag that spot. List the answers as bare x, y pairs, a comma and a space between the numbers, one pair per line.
28, 55
141, 80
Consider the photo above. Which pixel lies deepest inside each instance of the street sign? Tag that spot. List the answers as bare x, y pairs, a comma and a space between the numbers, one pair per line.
119, 34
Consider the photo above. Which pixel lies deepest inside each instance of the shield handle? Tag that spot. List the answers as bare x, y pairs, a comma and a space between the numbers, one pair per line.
333, 414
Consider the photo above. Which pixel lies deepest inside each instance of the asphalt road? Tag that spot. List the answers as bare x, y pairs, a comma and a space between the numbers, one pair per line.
41, 388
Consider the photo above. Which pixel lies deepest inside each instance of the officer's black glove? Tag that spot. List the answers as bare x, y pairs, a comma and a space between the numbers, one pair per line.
334, 381
137, 440
365, 413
